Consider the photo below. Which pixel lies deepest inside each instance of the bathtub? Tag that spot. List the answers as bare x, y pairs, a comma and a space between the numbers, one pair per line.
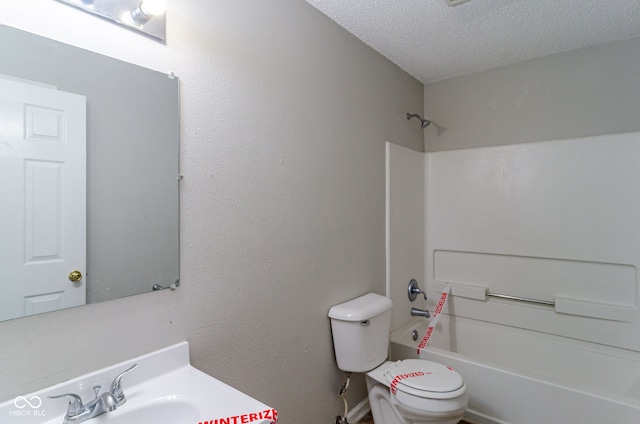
517, 376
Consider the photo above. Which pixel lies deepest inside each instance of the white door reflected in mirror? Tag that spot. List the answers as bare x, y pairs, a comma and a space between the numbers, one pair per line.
43, 173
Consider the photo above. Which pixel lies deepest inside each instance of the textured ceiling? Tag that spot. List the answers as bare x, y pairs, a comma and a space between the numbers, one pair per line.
433, 41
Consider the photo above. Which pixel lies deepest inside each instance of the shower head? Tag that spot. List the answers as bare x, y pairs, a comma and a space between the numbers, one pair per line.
425, 122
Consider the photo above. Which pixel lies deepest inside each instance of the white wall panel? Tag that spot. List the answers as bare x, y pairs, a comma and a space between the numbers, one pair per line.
555, 221
405, 229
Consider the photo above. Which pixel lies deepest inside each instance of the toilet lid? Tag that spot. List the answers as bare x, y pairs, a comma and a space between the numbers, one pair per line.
418, 374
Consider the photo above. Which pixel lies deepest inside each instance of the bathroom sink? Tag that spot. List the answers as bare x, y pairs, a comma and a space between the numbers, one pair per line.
168, 410
164, 388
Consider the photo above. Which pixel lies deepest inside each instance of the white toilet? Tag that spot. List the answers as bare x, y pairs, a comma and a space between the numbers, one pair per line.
412, 391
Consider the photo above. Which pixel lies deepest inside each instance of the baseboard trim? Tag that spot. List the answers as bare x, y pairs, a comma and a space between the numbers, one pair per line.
475, 417
359, 411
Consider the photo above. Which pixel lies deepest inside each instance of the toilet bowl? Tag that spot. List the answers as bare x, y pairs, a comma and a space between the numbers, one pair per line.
412, 391
415, 391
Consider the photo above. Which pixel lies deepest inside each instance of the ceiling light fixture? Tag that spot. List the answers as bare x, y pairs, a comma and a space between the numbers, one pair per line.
146, 16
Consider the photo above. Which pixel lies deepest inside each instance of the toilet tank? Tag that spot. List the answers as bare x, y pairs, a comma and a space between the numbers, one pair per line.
360, 329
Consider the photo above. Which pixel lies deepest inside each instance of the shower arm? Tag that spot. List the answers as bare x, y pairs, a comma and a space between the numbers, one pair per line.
424, 122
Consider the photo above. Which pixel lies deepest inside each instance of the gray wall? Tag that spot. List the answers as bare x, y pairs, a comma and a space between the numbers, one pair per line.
284, 121
590, 91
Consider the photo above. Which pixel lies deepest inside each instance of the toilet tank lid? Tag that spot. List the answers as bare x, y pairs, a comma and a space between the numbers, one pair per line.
361, 308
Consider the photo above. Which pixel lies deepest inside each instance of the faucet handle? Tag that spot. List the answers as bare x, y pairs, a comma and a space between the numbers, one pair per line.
116, 386
75, 404
413, 290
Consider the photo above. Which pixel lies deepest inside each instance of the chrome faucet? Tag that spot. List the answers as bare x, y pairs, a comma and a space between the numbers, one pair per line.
413, 290
78, 412
116, 386
415, 312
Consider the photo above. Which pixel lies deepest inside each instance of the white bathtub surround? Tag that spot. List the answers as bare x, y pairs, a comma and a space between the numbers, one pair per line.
404, 228
555, 221
525, 377
552, 221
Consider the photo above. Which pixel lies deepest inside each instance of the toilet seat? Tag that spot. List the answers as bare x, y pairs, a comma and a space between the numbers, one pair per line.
425, 379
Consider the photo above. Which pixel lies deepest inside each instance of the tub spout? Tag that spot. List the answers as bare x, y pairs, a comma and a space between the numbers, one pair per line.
415, 312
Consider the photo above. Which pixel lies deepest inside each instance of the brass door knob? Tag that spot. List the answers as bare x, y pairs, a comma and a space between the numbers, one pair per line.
75, 276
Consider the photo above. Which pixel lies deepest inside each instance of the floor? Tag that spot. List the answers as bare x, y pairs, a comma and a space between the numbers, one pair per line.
368, 419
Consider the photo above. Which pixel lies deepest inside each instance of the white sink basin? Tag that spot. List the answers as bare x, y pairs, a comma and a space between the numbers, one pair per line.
170, 410
164, 388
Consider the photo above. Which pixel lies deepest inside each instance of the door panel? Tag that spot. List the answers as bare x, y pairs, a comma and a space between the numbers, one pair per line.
42, 199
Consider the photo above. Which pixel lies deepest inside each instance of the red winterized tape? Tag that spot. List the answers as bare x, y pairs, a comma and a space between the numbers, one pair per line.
268, 414
436, 317
394, 383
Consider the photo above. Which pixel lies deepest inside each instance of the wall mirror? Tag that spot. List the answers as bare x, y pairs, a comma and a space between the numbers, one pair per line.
89, 176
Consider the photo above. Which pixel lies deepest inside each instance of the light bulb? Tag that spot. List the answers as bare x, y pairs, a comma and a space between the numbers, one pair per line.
147, 10
153, 7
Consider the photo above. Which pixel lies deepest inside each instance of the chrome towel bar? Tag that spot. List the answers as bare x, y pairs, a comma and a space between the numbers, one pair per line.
521, 299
